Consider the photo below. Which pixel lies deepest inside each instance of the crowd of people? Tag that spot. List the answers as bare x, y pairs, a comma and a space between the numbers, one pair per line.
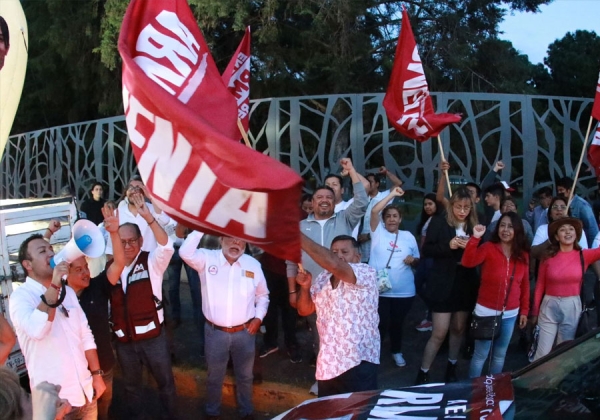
359, 276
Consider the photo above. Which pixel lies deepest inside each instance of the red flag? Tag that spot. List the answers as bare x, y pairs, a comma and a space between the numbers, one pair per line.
175, 108
596, 107
593, 153
237, 78
407, 101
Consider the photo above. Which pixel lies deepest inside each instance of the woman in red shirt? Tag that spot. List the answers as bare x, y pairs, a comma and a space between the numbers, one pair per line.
505, 256
556, 297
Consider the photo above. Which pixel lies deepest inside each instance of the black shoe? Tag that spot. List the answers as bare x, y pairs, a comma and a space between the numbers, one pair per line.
266, 350
313, 360
294, 354
422, 377
451, 373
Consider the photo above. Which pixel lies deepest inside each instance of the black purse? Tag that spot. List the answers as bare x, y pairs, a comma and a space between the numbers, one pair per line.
488, 327
585, 323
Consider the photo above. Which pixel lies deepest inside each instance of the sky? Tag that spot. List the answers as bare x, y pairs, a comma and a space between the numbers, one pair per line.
531, 33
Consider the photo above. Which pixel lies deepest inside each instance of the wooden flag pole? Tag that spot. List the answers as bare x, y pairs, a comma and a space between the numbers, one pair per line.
244, 134
583, 150
444, 159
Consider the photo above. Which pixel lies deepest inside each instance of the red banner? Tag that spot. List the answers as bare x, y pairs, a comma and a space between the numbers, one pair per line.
593, 154
596, 107
179, 116
237, 78
407, 101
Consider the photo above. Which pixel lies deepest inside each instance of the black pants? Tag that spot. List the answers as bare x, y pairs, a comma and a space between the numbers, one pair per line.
279, 303
360, 378
392, 312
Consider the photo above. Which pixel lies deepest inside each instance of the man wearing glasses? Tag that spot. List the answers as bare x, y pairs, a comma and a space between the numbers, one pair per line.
235, 299
137, 314
53, 331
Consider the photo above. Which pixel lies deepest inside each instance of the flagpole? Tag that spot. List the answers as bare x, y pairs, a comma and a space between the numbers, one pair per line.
583, 150
244, 134
444, 159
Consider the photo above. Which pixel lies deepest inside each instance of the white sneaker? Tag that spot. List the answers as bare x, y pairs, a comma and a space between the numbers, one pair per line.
314, 389
399, 359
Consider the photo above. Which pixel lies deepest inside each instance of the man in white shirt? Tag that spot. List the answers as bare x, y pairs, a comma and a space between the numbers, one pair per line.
235, 299
345, 297
53, 331
137, 314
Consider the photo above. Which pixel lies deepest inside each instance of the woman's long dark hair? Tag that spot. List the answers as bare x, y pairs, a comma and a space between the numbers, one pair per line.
519, 246
424, 216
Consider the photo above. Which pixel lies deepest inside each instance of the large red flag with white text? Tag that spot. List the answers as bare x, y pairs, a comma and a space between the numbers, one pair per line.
179, 116
407, 101
593, 153
237, 78
596, 107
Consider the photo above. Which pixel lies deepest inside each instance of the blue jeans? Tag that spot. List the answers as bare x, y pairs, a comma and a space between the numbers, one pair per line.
218, 346
85, 412
174, 274
482, 350
154, 353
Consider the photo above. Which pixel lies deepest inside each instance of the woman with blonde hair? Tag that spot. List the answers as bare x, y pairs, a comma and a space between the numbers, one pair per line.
451, 289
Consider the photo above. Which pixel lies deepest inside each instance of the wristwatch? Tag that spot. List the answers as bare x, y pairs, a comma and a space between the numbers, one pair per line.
97, 372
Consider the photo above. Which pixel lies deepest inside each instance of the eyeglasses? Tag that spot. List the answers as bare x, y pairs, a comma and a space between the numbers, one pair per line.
465, 209
130, 242
559, 207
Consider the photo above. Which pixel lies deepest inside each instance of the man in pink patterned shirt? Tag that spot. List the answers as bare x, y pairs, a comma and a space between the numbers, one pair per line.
345, 298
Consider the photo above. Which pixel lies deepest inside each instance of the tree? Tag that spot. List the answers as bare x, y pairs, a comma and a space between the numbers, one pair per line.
65, 80
573, 62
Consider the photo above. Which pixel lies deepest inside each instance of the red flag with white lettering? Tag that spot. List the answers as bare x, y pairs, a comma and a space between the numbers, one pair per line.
407, 101
593, 153
596, 107
237, 78
178, 112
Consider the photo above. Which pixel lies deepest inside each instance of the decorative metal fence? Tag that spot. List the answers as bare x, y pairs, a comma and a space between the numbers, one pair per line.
539, 138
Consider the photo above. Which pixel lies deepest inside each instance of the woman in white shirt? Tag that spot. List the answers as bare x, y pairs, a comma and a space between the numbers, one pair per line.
396, 250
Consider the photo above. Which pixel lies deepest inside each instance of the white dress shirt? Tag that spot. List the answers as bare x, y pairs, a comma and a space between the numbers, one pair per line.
126, 216
158, 261
54, 351
232, 294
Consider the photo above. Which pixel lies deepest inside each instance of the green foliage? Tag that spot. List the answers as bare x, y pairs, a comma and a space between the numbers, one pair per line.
300, 47
574, 62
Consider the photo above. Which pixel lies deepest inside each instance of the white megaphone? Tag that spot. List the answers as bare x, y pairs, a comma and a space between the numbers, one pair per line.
87, 241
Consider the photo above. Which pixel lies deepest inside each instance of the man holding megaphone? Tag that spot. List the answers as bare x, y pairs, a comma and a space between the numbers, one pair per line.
94, 294
53, 330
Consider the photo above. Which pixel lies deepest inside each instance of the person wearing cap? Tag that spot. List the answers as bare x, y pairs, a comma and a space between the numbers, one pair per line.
556, 303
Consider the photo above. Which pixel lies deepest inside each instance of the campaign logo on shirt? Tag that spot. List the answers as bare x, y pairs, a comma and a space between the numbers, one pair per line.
249, 274
213, 270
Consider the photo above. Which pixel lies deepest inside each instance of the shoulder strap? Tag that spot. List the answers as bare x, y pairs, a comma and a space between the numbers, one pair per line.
581, 292
512, 276
387, 265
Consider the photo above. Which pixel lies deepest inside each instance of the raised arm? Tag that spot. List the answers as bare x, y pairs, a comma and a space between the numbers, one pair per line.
111, 224
440, 195
396, 182
328, 260
377, 208
159, 233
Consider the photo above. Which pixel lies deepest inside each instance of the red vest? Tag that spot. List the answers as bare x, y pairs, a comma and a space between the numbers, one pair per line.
134, 314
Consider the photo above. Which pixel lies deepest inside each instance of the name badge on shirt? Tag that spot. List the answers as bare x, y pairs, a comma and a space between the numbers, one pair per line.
213, 270
249, 274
